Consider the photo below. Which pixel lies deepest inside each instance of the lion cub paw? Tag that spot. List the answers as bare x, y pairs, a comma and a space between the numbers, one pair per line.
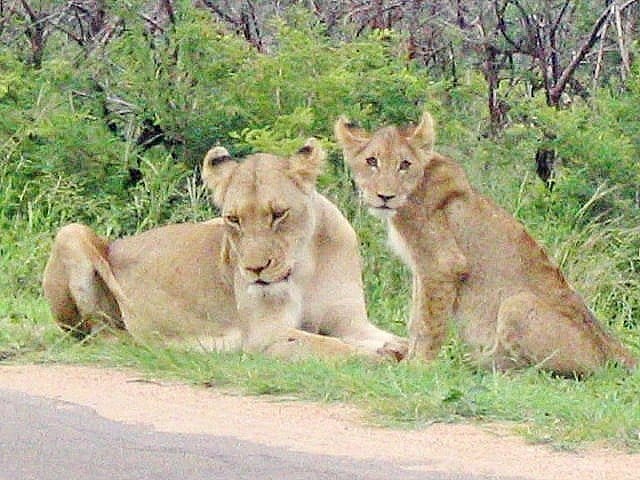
396, 349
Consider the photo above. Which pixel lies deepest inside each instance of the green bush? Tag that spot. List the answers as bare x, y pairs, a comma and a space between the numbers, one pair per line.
597, 145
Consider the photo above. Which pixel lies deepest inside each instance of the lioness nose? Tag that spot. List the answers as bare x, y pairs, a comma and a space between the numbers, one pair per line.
385, 198
258, 270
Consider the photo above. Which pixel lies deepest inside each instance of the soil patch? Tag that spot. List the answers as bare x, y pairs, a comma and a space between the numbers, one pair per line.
310, 427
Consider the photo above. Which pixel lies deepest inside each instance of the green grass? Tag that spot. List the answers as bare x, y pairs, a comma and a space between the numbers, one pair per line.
567, 413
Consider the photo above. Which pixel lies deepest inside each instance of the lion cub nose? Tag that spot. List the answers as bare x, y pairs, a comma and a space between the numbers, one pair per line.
385, 198
258, 269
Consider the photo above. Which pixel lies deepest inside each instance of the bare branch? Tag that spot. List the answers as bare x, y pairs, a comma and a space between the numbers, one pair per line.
596, 71
587, 45
624, 53
151, 21
257, 42
556, 23
30, 12
68, 33
79, 20
502, 24
168, 7
211, 5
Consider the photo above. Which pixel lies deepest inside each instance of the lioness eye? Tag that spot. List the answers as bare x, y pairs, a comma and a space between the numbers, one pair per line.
278, 215
404, 165
372, 161
232, 219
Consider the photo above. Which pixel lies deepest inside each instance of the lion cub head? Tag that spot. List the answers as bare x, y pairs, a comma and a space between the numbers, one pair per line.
266, 204
387, 164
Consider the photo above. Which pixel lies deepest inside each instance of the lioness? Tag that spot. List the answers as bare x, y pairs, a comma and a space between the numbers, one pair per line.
280, 272
471, 260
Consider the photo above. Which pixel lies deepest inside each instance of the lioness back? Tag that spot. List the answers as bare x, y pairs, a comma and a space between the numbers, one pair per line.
175, 271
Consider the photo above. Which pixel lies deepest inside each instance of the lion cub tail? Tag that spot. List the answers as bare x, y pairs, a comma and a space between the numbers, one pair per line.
615, 350
622, 355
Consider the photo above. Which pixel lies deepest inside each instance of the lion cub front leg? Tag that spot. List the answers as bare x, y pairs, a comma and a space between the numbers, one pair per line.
431, 308
438, 268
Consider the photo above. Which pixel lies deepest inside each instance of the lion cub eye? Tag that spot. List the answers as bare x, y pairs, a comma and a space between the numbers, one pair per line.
232, 220
404, 165
278, 215
372, 162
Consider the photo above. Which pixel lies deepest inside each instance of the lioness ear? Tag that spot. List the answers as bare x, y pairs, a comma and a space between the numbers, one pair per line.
423, 137
351, 138
217, 168
307, 163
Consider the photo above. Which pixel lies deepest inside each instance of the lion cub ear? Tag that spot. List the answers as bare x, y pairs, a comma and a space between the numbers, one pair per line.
217, 168
306, 164
423, 136
351, 138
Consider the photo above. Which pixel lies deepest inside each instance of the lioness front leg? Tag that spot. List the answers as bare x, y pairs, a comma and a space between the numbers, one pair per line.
230, 341
566, 339
295, 344
431, 308
277, 335
79, 298
348, 322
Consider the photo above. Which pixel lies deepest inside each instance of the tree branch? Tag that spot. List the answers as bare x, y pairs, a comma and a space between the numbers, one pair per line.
556, 24
624, 54
221, 14
502, 26
587, 45
30, 12
151, 21
168, 7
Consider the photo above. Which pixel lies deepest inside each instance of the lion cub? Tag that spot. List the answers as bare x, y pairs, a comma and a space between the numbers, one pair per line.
471, 260
280, 272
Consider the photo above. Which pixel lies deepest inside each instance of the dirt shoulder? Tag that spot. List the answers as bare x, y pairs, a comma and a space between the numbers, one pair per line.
309, 427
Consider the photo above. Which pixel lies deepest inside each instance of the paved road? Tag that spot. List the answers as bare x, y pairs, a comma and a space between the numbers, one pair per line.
43, 439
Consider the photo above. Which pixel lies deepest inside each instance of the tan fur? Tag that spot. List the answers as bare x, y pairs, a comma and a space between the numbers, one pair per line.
280, 272
471, 260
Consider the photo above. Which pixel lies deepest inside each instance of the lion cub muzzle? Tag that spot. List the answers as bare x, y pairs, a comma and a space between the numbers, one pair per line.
383, 205
381, 193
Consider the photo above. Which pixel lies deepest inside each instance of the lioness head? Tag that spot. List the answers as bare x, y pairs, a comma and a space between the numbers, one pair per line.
387, 164
266, 204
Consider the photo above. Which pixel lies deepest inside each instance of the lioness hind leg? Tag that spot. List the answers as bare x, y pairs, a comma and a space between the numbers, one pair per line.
80, 300
530, 332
